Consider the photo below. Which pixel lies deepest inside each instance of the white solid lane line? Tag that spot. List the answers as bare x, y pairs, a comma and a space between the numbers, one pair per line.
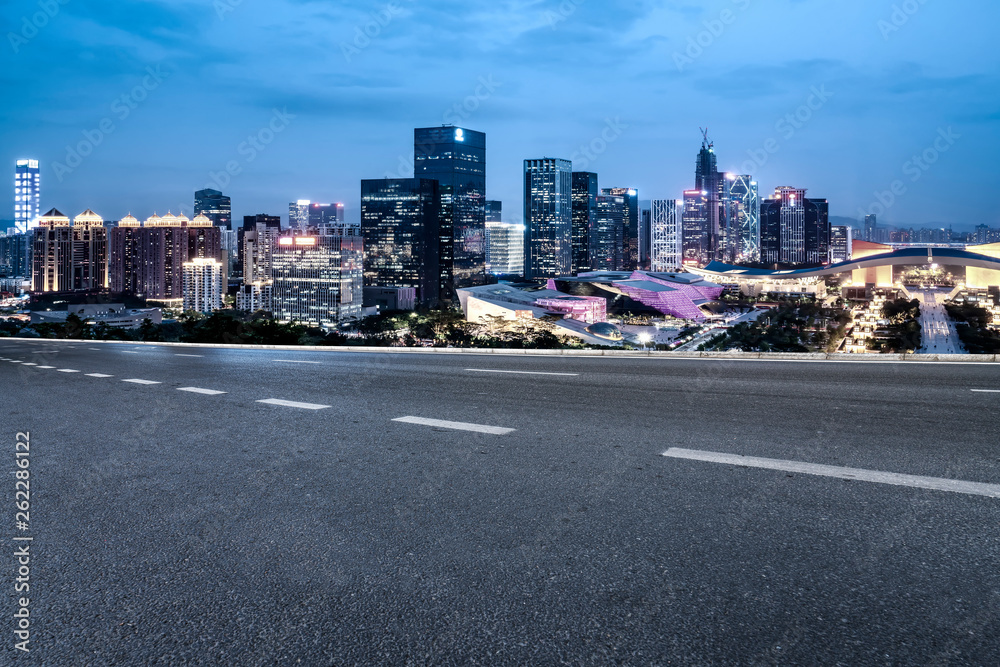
290, 361
987, 391
294, 404
457, 426
858, 474
67, 370
198, 390
134, 381
99, 375
189, 355
486, 370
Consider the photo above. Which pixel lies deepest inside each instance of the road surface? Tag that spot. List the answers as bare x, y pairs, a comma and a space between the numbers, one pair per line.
939, 335
220, 506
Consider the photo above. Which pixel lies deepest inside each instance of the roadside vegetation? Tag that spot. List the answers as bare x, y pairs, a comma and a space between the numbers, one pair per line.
972, 324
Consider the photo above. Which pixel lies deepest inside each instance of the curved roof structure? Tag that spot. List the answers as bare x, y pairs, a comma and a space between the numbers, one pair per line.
903, 257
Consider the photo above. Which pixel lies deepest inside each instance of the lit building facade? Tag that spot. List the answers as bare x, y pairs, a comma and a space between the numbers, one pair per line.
608, 247
841, 241
401, 224
317, 279
504, 248
548, 218
69, 257
214, 205
585, 193
694, 228
456, 158
494, 211
741, 203
203, 281
27, 194
666, 250
794, 229
15, 253
629, 253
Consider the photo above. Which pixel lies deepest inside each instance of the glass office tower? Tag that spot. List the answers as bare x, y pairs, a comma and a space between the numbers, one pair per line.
27, 194
585, 192
400, 222
215, 206
456, 158
548, 218
630, 232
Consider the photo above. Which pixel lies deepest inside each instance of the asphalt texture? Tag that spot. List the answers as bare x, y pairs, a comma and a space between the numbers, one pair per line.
179, 528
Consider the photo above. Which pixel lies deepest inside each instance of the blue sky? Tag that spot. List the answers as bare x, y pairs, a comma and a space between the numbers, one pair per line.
331, 91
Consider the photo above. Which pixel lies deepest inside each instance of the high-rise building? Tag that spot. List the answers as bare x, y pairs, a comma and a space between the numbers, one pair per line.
203, 282
694, 228
255, 234
298, 214
15, 251
504, 249
494, 211
548, 218
871, 225
608, 249
215, 206
741, 205
666, 250
645, 238
68, 257
27, 194
630, 231
794, 230
401, 225
841, 242
317, 277
712, 183
325, 214
456, 158
147, 260
585, 193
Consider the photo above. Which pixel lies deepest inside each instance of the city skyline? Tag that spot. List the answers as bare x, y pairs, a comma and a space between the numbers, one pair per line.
834, 122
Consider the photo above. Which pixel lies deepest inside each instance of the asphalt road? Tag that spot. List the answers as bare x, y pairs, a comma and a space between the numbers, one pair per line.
173, 527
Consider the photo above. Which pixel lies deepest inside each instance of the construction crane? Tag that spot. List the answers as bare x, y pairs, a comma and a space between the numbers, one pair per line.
706, 143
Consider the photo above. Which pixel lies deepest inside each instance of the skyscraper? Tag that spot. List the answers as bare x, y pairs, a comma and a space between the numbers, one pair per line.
548, 218
871, 224
298, 214
841, 237
400, 221
70, 257
712, 183
27, 194
666, 251
694, 228
456, 158
494, 211
645, 238
215, 206
630, 230
741, 202
607, 237
504, 248
585, 192
317, 277
794, 230
203, 285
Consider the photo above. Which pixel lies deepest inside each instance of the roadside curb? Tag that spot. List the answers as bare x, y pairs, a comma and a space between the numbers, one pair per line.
736, 356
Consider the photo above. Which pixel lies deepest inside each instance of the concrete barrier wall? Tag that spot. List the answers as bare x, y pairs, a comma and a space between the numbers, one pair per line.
776, 356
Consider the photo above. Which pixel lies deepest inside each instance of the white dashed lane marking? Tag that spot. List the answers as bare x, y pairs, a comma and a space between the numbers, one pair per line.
484, 370
99, 375
290, 361
294, 404
199, 390
67, 370
135, 381
189, 355
986, 391
457, 426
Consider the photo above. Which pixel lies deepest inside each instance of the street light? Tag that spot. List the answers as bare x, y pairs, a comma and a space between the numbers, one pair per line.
645, 338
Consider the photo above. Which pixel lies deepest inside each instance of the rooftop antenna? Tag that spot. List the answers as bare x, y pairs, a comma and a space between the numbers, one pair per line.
706, 142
